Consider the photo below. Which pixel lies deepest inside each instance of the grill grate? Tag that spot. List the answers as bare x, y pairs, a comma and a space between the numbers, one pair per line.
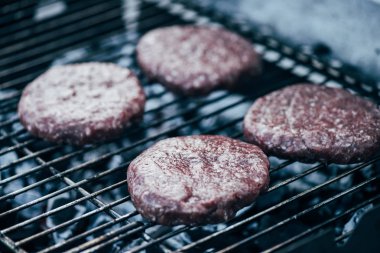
55, 198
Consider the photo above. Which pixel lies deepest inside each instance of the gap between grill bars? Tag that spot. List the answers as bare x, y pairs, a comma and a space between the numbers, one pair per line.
98, 30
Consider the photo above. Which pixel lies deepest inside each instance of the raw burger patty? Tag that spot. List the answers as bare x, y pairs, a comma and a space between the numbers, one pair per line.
194, 60
196, 179
81, 103
311, 123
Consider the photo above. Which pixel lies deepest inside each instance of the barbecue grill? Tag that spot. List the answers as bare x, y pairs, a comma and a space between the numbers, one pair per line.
56, 198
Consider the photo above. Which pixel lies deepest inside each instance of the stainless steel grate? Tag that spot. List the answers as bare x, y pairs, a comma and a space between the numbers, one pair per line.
60, 198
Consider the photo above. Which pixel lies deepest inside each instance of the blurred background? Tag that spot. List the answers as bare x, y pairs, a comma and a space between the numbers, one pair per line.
345, 30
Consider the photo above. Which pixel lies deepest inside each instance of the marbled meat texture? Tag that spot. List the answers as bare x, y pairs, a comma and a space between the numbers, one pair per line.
81, 103
196, 179
311, 123
194, 60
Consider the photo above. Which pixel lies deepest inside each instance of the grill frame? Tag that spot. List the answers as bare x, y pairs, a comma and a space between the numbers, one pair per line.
269, 46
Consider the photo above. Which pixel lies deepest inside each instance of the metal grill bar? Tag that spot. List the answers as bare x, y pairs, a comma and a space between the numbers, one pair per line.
82, 151
9, 6
9, 179
196, 119
274, 74
76, 13
91, 231
17, 146
63, 190
105, 156
12, 134
343, 236
23, 159
68, 223
157, 240
48, 41
300, 175
316, 64
277, 206
16, 227
324, 224
184, 229
229, 124
281, 166
8, 110
44, 39
61, 208
69, 182
294, 217
10, 244
11, 102
86, 196
37, 58
48, 57
8, 122
16, 11
106, 237
102, 30
45, 47
86, 164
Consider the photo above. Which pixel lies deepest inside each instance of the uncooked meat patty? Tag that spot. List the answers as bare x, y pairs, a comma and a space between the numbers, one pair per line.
194, 60
81, 103
314, 123
196, 179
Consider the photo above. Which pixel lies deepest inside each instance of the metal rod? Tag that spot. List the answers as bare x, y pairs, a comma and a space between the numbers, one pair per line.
9, 121
63, 207
98, 243
82, 26
106, 237
277, 206
23, 159
196, 107
89, 232
63, 190
109, 19
17, 146
118, 151
292, 179
296, 216
12, 134
48, 57
157, 240
321, 225
26, 28
80, 183
72, 221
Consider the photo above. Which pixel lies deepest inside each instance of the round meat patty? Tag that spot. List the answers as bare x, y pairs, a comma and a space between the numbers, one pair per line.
311, 123
196, 179
194, 60
81, 103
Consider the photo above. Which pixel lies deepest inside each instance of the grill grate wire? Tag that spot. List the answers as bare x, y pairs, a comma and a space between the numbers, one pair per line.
27, 53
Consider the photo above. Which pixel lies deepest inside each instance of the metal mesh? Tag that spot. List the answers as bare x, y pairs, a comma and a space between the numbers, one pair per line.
60, 198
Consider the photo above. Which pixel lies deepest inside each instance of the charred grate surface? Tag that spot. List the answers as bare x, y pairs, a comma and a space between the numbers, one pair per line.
60, 198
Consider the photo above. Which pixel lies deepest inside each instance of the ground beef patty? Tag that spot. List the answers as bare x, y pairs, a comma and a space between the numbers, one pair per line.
194, 60
196, 179
314, 123
81, 103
